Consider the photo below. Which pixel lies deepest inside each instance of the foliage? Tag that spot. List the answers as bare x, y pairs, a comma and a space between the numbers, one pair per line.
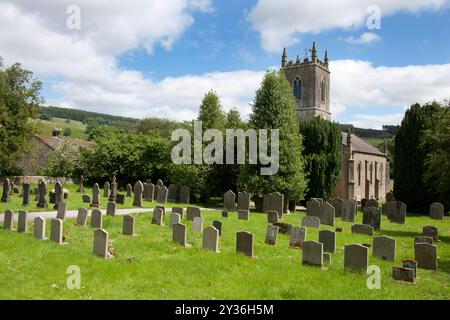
211, 113
67, 132
387, 132
65, 160
157, 126
322, 142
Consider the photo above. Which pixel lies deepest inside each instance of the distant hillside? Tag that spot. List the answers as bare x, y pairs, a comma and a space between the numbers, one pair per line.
387, 132
45, 127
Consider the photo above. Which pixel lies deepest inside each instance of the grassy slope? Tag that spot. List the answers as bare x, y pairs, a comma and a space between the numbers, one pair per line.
150, 266
374, 141
45, 127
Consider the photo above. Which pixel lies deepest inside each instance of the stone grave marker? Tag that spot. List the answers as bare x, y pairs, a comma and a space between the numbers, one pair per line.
160, 183
218, 225
313, 208
372, 203
356, 257
148, 191
138, 190
384, 248
113, 192
62, 211
423, 239
82, 217
158, 216
174, 218
426, 256
431, 231
338, 204
193, 212
229, 201
162, 195
26, 194
178, 210
130, 191
312, 253
396, 211
403, 274
120, 198
328, 239
58, 194
272, 216
327, 214
349, 210
128, 226
411, 264
56, 231
179, 234
298, 236
22, 221
81, 187
372, 217
271, 235
106, 187
210, 239
437, 211
243, 214
244, 243
96, 219
243, 201
172, 193
86, 198
197, 224
6, 190
111, 209
39, 228
311, 221
42, 194
225, 214
96, 196
101, 244
184, 195
362, 229
8, 220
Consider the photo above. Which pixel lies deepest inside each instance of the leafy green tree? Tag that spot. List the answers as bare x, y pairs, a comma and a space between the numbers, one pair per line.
233, 119
274, 108
211, 113
322, 142
20, 101
157, 126
65, 161
67, 132
409, 158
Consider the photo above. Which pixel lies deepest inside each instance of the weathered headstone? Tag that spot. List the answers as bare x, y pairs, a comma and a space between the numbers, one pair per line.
179, 234
184, 195
96, 196
411, 264
148, 191
39, 228
106, 187
225, 214
372, 203
22, 221
6, 190
313, 208
430, 231
158, 216
113, 192
426, 256
272, 216
111, 209
243, 201
271, 235
82, 217
327, 214
362, 229
178, 210
285, 228
8, 220
338, 204
128, 226
328, 239
244, 243
211, 239
120, 198
174, 218
193, 212
423, 239
396, 211
349, 210
172, 193
390, 196
197, 224
86, 198
403, 274
243, 214
58, 194
372, 217
437, 211
312, 253
384, 248
56, 231
218, 225
160, 183
101, 243
62, 211
42, 194
26, 194
229, 201
311, 221
162, 195
277, 203
298, 236
96, 219
130, 191
138, 190
356, 257
81, 187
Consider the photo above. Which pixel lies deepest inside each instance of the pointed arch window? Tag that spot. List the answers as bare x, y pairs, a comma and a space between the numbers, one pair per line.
359, 172
298, 87
323, 90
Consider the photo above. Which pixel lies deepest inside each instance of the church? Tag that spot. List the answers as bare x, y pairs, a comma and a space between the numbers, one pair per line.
365, 169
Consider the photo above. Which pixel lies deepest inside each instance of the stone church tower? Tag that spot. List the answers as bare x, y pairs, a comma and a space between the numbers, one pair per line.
310, 82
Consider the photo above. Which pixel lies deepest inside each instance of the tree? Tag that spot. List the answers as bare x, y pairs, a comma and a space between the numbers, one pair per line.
157, 126
233, 119
67, 132
409, 158
274, 108
65, 161
322, 142
20, 101
211, 113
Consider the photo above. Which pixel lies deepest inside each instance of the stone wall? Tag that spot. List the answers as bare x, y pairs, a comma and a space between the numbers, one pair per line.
18, 180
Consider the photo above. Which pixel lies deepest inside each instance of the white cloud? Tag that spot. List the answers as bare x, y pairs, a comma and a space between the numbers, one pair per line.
281, 22
365, 38
376, 121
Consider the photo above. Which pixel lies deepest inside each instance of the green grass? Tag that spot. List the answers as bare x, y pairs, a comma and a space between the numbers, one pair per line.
150, 266
45, 127
374, 141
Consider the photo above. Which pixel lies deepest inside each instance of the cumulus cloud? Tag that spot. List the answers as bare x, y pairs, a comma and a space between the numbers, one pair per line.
280, 23
365, 38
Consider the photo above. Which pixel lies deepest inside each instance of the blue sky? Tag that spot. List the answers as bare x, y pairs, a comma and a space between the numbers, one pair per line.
157, 58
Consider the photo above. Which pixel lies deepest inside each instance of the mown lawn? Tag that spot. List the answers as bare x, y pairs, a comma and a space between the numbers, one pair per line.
45, 127
150, 266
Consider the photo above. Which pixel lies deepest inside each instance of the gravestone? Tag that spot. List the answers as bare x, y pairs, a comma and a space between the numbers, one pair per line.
96, 219
312, 253
120, 198
156, 189
372, 203
56, 231
158, 216
285, 228
244, 243
179, 234
362, 229
349, 210
266, 202
178, 210
313, 208
338, 204
243, 214
328, 239
81, 187
26, 194
130, 191
437, 211
372, 217
184, 195
8, 220
160, 183
113, 192
272, 216
106, 187
6, 190
148, 191
174, 218
58, 194
430, 231
197, 224
390, 196
243, 201
96, 196
101, 246
218, 225
384, 248
396, 211
111, 209
62, 211
327, 214
356, 257
82, 217
326, 258
172, 193
403, 274
423, 239
229, 201
311, 221
211, 239
271, 235
39, 228
138, 190
277, 203
128, 225
298, 236
22, 221
426, 256
42, 194
162, 195
193, 212
411, 264
225, 214
86, 198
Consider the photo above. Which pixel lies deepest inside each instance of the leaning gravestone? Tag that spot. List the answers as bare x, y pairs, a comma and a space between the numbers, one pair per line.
356, 257
86, 198
130, 191
426, 256
58, 194
244, 243
311, 221
148, 191
56, 231
349, 210
8, 220
384, 248
179, 234
372, 217
272, 216
328, 239
96, 219
111, 209
430, 231
39, 228
6, 190
211, 239
312, 253
158, 216
229, 201
138, 190
271, 235
62, 211
218, 225
243, 201
298, 236
42, 198
106, 187
313, 208
96, 196
362, 229
174, 218
197, 224
26, 194
338, 204
403, 274
101, 247
243, 214
22, 222
184, 195
163, 208
128, 227
193, 212
437, 211
82, 217
172, 193
178, 210
327, 214
396, 211
162, 195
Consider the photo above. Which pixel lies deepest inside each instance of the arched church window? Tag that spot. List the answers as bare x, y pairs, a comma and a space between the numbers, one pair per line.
359, 173
297, 88
371, 172
323, 90
381, 173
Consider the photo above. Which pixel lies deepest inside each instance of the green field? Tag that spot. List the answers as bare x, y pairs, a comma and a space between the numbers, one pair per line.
151, 266
374, 141
45, 127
